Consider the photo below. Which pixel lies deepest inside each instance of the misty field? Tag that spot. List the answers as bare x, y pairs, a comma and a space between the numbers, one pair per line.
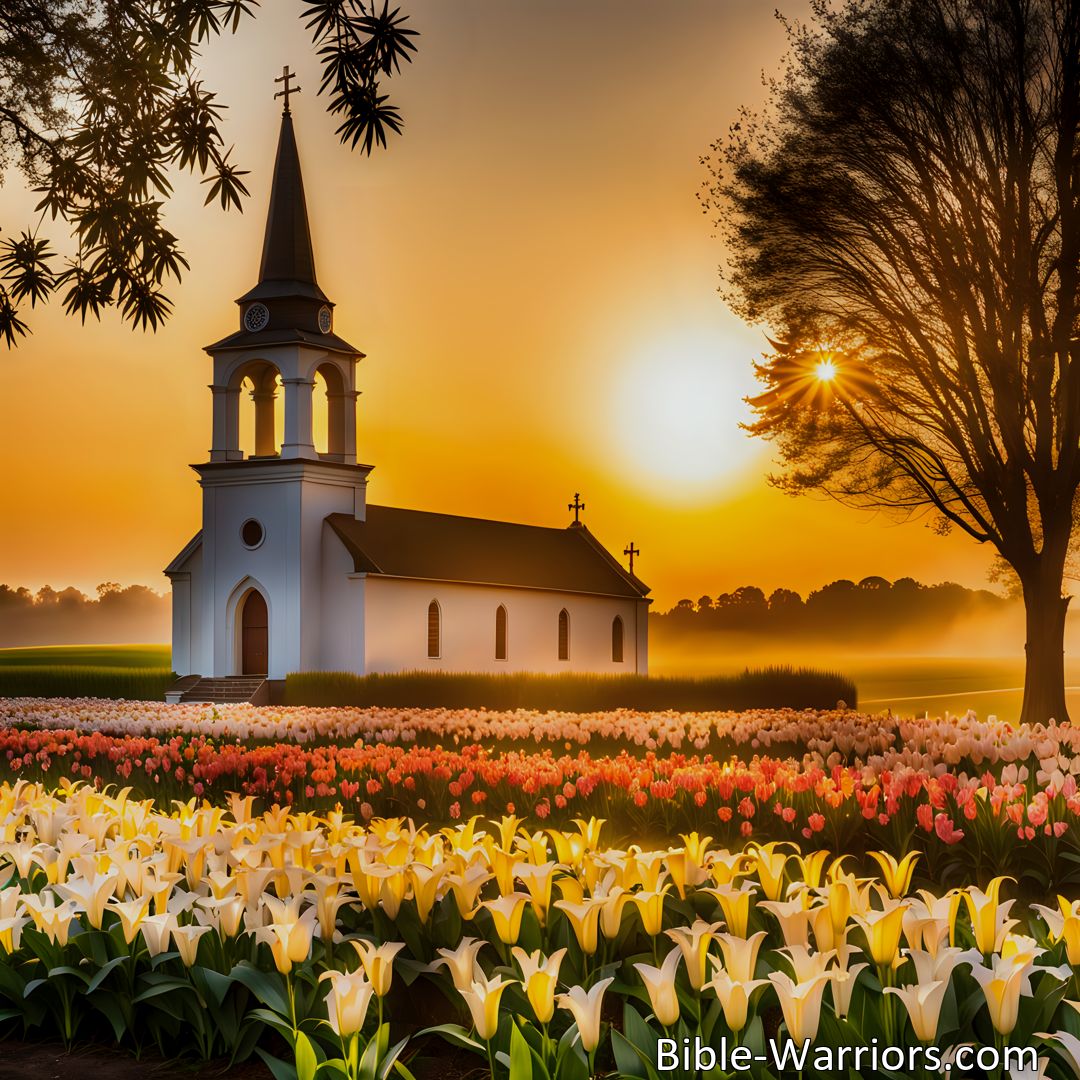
908, 684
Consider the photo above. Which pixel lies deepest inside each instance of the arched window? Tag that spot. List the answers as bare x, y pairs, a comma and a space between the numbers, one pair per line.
434, 630
564, 634
617, 640
500, 633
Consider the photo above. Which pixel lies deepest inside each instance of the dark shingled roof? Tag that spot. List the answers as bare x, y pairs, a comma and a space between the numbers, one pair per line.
444, 547
244, 339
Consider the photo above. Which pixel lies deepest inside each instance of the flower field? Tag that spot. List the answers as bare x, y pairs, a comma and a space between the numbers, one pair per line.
979, 797
589, 891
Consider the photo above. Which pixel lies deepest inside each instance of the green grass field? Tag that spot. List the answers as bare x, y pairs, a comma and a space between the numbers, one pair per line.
906, 684
110, 656
135, 672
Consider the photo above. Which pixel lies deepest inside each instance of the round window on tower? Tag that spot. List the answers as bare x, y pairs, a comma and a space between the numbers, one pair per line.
325, 319
251, 533
256, 317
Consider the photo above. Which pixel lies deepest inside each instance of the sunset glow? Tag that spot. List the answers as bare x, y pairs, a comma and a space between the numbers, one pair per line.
537, 302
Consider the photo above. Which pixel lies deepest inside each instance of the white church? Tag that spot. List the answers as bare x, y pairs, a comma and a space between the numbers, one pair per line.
293, 570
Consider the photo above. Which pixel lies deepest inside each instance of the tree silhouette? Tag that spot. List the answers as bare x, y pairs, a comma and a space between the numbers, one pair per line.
906, 218
100, 100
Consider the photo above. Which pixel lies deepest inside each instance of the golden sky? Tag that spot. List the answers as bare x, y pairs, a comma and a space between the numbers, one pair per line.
532, 279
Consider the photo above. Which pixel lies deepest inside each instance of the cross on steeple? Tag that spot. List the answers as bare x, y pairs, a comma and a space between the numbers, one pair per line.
286, 75
577, 506
631, 551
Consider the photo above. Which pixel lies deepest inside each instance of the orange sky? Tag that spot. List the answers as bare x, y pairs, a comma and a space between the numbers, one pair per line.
534, 284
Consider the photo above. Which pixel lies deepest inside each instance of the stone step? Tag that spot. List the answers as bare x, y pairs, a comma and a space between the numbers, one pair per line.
231, 690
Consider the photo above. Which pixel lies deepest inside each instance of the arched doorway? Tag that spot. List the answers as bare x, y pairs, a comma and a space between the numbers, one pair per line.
254, 635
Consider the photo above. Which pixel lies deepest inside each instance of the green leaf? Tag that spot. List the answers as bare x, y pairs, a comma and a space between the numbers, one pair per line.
111, 1007
282, 1070
307, 1064
266, 987
389, 1060
455, 1033
520, 1056
213, 985
103, 972
628, 1059
279, 1023
174, 986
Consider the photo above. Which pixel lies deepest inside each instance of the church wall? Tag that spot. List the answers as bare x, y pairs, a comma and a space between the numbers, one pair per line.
290, 501
342, 623
272, 568
395, 613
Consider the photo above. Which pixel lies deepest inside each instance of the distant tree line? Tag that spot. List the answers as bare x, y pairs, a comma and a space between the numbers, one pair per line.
841, 608
134, 614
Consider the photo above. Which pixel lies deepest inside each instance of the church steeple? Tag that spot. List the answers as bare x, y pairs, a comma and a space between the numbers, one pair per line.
288, 262
287, 303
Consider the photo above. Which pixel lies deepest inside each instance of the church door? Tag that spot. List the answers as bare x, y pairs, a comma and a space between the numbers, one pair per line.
255, 646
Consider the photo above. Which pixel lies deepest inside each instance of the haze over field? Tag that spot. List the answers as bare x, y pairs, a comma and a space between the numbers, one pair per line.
959, 661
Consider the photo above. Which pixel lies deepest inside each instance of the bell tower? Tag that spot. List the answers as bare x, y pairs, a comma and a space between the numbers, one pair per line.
263, 513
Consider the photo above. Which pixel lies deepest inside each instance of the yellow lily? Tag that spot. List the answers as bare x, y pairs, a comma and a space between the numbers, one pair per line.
651, 909
590, 831
425, 881
896, 875
740, 954
506, 913
660, 986
540, 976
1064, 925
460, 962
812, 867
694, 941
348, 1000
883, 929
989, 921
131, 915
49, 918
734, 901
538, 879
734, 996
801, 1003
794, 919
770, 864
585, 1008
583, 919
508, 827
1002, 984
91, 894
378, 962
923, 1002
186, 940
483, 998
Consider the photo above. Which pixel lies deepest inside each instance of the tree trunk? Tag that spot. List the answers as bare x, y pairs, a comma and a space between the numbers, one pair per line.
1044, 674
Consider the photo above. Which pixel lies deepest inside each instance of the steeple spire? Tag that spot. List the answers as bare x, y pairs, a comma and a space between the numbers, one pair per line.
287, 256
287, 304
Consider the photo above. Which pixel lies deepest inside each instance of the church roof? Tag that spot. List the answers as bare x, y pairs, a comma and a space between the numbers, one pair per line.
245, 339
288, 260
444, 547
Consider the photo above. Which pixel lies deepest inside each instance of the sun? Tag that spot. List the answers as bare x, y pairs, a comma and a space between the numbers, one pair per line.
825, 371
676, 415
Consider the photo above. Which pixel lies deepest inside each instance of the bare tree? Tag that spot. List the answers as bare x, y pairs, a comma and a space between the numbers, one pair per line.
906, 218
